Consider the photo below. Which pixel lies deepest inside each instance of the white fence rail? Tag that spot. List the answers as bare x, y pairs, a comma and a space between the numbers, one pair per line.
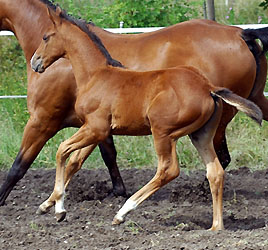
122, 30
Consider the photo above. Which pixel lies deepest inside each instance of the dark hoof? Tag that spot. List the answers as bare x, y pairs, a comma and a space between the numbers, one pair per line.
60, 216
40, 211
119, 192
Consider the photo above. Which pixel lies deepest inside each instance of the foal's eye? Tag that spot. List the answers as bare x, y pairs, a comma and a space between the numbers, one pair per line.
45, 37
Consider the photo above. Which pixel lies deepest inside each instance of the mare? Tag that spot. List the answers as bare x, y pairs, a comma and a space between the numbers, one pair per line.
114, 100
217, 50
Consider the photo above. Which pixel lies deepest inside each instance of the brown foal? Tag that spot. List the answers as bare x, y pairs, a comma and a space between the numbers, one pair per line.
167, 103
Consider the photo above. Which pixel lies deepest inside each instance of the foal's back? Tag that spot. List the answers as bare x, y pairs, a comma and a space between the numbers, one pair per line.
131, 101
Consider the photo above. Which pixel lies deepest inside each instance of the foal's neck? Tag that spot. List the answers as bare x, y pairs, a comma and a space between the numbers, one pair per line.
84, 55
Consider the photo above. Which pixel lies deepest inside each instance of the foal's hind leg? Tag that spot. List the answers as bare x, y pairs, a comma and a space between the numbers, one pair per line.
167, 170
203, 141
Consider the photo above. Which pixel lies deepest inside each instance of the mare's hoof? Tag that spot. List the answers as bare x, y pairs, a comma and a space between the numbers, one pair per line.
119, 191
60, 216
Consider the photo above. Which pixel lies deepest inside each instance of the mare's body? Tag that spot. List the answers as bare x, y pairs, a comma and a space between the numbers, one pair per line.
113, 100
218, 50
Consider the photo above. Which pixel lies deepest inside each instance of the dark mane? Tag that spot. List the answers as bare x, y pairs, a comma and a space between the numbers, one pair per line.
83, 25
49, 4
53, 7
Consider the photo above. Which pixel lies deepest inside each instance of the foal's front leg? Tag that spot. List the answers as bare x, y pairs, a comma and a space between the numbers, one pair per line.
79, 140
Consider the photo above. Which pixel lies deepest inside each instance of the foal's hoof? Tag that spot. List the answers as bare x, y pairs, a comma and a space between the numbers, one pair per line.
40, 211
60, 216
117, 221
216, 229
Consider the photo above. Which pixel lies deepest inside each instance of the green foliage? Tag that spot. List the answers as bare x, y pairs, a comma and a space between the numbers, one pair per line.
134, 13
264, 4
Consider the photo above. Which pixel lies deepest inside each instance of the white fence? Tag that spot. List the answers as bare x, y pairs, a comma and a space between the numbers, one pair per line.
122, 30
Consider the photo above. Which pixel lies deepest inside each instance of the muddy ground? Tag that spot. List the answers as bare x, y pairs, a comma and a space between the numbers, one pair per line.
176, 217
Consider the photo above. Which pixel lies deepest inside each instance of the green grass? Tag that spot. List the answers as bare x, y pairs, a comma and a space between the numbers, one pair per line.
240, 12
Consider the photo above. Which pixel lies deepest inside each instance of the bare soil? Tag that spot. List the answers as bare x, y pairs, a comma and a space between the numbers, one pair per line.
176, 217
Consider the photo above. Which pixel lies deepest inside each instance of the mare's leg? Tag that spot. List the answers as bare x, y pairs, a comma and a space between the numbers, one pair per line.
220, 143
36, 134
203, 141
256, 94
108, 153
167, 170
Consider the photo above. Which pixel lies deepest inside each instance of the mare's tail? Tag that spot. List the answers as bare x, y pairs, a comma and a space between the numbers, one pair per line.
242, 104
249, 35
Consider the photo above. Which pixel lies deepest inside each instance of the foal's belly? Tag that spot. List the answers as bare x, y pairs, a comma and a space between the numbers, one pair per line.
133, 129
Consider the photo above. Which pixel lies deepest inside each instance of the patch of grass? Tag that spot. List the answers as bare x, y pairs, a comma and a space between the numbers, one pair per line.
240, 12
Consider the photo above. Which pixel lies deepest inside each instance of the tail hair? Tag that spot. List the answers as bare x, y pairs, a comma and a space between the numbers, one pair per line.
249, 35
242, 104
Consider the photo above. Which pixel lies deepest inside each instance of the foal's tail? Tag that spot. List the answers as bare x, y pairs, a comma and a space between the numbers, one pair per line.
249, 35
242, 104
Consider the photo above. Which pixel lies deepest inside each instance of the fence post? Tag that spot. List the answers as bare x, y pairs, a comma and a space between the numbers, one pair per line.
211, 10
205, 9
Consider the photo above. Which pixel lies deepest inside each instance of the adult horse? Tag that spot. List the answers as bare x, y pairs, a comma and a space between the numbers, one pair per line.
114, 100
217, 50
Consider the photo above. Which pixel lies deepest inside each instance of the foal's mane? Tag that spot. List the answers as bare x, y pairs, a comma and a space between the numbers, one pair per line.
83, 25
49, 4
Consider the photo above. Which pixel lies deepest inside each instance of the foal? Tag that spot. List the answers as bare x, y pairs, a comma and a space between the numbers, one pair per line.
112, 100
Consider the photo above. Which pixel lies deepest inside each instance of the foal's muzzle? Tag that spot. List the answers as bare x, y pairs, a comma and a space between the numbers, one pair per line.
37, 64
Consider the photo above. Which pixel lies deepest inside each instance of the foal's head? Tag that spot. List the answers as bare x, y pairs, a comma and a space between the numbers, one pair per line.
51, 48
53, 44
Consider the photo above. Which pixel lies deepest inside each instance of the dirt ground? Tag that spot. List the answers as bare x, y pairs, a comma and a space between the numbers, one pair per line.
176, 217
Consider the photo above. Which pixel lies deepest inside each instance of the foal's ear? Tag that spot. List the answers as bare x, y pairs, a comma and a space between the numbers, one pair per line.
54, 16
